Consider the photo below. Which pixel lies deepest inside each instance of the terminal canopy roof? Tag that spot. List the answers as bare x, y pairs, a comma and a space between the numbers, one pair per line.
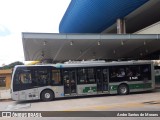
64, 47
96, 16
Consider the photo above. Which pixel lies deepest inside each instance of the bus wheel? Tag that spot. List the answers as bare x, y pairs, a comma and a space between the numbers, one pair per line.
123, 89
47, 95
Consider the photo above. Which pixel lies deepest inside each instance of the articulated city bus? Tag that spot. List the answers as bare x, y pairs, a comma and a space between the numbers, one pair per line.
76, 78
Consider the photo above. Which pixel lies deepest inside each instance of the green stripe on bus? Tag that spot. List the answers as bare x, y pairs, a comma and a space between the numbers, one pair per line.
89, 89
133, 86
113, 87
148, 85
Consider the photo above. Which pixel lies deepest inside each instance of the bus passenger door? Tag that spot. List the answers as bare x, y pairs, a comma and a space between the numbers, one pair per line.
69, 77
146, 77
102, 80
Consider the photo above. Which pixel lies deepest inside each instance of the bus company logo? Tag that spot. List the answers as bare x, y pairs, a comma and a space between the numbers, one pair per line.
20, 114
6, 114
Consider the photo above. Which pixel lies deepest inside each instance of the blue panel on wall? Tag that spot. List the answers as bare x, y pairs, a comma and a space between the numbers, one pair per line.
94, 16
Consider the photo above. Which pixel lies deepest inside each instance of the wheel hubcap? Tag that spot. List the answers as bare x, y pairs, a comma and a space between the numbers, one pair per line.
123, 90
47, 95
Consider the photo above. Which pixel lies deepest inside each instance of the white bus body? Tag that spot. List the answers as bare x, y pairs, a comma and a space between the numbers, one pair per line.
47, 82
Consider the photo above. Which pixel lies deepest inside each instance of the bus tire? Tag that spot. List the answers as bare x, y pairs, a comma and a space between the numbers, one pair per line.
47, 95
123, 89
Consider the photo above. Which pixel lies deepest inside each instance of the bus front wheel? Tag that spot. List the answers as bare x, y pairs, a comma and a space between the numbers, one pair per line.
123, 89
47, 95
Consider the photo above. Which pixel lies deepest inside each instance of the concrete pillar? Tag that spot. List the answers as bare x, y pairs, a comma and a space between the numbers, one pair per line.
121, 26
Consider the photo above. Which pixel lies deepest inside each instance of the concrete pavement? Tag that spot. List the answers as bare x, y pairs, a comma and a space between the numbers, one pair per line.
147, 101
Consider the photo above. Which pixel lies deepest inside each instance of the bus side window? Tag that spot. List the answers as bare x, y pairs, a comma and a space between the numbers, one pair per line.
121, 73
113, 74
133, 73
118, 74
42, 77
82, 76
56, 79
91, 75
105, 75
129, 72
146, 72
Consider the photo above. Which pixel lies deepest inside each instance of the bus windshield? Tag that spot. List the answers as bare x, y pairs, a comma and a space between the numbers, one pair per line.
29, 77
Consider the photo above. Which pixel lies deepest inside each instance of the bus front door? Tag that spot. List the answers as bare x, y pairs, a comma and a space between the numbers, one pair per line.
69, 77
102, 80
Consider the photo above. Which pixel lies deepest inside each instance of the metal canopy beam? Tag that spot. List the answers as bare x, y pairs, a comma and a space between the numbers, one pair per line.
138, 19
63, 47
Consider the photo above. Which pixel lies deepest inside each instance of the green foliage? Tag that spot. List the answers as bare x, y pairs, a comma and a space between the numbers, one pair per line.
10, 66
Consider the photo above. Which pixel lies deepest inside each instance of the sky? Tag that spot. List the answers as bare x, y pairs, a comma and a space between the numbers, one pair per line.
17, 16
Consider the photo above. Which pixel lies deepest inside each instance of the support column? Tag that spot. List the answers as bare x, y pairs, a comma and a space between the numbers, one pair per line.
121, 26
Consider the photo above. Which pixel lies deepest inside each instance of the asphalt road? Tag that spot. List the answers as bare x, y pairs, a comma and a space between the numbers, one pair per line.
148, 101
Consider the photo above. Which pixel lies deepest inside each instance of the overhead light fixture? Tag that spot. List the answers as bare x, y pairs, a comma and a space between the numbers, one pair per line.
80, 52
122, 42
42, 53
44, 43
94, 53
99, 43
114, 51
71, 43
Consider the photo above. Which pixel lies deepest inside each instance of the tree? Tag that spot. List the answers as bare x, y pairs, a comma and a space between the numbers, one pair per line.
10, 66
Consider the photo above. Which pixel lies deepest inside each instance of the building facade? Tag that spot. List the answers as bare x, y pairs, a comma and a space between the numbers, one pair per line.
5, 79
